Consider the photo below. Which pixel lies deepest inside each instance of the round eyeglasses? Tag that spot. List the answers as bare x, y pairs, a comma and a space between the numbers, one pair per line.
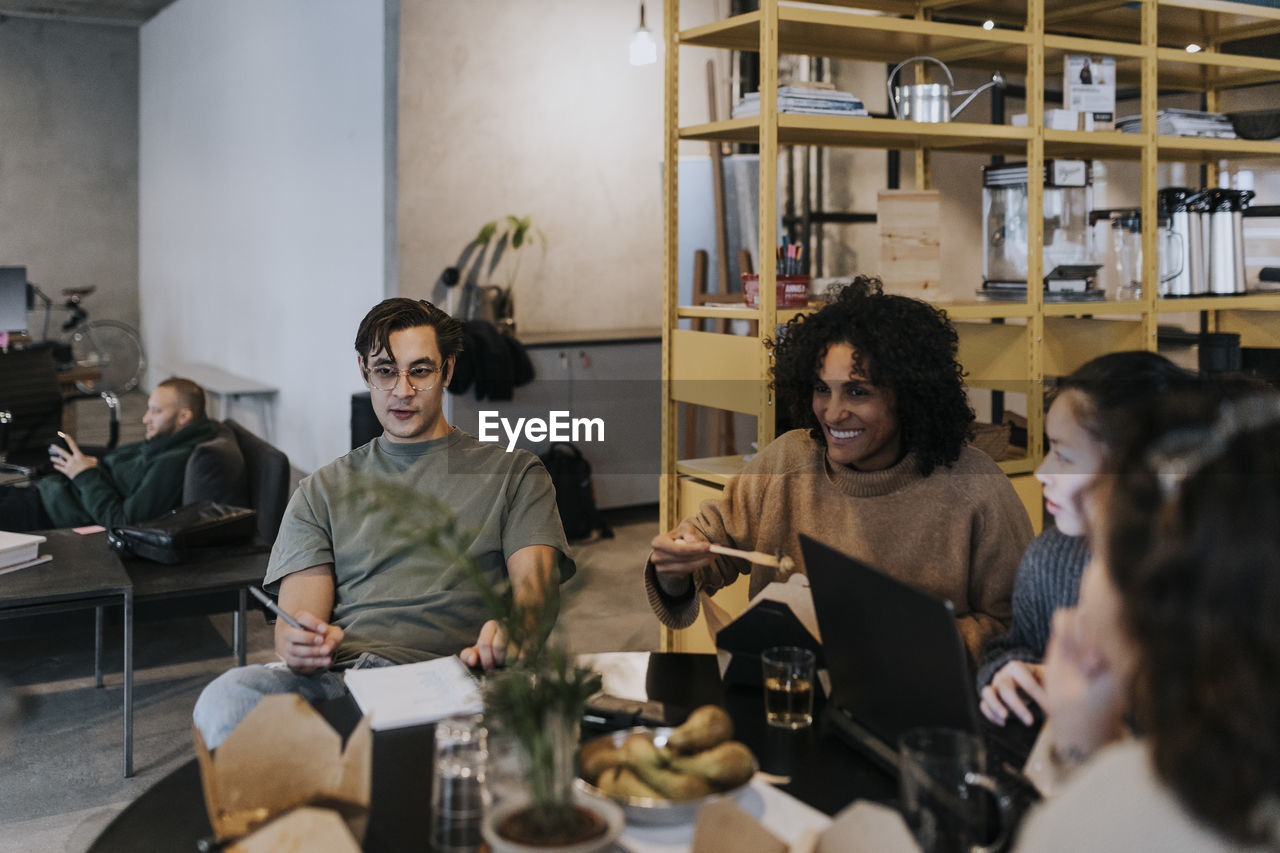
384, 377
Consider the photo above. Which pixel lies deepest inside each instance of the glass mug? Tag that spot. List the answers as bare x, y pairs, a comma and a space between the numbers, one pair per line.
947, 797
788, 686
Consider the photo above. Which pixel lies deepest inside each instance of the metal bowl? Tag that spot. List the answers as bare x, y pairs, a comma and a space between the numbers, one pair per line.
646, 809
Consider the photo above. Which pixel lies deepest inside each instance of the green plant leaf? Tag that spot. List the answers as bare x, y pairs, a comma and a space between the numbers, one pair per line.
486, 232
520, 230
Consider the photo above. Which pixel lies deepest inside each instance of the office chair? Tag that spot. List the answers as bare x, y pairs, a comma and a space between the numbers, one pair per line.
238, 468
31, 401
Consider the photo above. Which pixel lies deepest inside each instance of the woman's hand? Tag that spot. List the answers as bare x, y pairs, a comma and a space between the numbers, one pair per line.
1003, 694
1085, 698
677, 554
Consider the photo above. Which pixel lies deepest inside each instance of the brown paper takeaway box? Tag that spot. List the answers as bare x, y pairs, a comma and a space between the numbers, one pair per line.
281, 756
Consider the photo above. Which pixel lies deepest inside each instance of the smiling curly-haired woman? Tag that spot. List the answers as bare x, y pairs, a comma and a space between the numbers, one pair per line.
902, 344
880, 470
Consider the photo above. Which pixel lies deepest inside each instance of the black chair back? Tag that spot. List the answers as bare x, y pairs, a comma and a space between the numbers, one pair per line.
30, 407
267, 472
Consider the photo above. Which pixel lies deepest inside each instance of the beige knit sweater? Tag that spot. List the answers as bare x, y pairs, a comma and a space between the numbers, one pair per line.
957, 534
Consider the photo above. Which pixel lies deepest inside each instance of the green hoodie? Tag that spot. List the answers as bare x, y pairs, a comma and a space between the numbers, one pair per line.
136, 482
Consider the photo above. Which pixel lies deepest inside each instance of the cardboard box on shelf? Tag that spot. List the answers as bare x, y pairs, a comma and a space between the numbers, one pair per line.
281, 757
910, 223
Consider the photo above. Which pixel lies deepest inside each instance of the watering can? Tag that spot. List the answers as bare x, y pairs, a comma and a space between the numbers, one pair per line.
931, 102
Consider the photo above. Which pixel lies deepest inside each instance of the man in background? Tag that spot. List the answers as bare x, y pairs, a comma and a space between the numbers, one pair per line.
135, 482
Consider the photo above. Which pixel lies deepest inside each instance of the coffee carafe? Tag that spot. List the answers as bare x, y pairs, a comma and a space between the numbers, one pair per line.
1225, 240
1126, 236
1180, 205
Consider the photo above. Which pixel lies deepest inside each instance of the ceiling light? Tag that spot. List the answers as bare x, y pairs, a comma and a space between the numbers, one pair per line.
988, 24
644, 50
1194, 48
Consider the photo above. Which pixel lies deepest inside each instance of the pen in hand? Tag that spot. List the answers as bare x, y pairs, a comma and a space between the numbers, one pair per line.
276, 609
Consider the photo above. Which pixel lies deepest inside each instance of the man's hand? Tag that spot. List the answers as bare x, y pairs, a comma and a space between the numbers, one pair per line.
304, 594
490, 650
1084, 697
677, 554
307, 651
1002, 695
70, 462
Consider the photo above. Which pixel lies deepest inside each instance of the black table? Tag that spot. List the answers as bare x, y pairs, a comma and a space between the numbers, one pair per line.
211, 578
825, 772
83, 573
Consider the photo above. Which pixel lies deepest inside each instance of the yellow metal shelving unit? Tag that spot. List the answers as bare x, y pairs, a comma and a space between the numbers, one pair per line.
1146, 37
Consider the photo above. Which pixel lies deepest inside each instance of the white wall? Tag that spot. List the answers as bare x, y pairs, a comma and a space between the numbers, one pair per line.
531, 108
263, 199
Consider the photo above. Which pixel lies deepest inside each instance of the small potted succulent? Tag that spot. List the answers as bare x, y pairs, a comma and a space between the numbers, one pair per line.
533, 705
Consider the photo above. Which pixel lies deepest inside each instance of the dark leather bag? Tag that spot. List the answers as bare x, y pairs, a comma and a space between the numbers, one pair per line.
186, 533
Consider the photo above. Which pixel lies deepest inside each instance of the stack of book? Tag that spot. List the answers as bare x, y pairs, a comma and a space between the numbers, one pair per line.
20, 550
1183, 123
803, 99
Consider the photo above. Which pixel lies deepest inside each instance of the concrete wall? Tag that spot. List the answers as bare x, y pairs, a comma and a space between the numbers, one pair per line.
263, 223
533, 109
69, 161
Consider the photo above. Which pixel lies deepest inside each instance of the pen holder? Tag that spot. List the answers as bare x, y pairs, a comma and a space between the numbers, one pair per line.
793, 290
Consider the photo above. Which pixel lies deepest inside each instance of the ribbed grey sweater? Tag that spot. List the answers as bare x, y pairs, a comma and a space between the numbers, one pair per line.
1048, 578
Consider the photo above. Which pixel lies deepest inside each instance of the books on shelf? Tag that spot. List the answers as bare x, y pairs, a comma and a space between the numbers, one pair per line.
414, 693
803, 99
1173, 122
20, 550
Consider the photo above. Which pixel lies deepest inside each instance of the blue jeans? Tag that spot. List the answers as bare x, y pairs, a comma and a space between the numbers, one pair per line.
231, 696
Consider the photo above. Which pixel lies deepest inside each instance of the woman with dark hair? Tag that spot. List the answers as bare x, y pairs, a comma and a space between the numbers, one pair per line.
880, 470
1179, 623
1081, 429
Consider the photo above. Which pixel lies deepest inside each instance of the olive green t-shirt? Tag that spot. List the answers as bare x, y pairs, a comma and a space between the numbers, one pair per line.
395, 598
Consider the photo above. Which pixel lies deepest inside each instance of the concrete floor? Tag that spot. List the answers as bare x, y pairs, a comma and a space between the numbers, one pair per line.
60, 755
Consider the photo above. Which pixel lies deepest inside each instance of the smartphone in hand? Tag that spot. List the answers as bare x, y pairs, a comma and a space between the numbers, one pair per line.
59, 440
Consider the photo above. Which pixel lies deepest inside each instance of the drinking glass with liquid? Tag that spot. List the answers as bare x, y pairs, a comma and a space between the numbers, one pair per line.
788, 686
458, 784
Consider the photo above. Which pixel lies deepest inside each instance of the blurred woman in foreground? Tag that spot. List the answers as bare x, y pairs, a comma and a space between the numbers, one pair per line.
1179, 620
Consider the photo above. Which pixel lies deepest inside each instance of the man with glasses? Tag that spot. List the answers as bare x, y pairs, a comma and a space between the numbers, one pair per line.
362, 597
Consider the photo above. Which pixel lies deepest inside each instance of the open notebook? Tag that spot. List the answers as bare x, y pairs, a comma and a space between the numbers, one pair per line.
414, 694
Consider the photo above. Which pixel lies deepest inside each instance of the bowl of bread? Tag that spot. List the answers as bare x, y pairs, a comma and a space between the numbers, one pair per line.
664, 775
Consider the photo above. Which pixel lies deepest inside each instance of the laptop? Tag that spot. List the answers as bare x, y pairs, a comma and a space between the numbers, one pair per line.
13, 299
895, 658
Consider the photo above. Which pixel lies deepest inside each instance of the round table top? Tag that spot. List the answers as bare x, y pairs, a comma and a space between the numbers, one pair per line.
824, 772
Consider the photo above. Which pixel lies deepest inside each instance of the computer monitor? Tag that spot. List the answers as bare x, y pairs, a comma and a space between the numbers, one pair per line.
13, 299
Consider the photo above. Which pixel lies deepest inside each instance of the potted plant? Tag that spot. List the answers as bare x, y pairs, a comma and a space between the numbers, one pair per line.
537, 706
499, 239
535, 702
